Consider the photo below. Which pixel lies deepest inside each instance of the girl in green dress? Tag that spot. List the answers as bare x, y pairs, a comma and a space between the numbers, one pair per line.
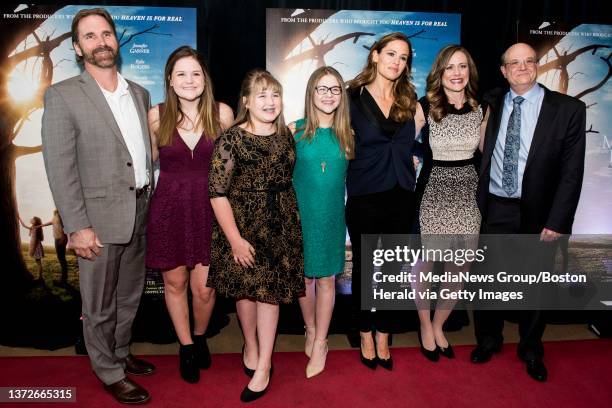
324, 143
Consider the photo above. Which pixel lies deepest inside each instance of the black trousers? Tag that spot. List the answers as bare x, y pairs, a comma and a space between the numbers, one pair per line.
504, 217
387, 212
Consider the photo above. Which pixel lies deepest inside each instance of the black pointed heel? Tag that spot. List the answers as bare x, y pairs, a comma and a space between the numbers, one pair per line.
447, 352
368, 362
387, 364
248, 371
431, 355
249, 395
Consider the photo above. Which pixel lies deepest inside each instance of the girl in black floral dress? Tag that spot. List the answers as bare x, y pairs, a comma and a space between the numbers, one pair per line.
256, 254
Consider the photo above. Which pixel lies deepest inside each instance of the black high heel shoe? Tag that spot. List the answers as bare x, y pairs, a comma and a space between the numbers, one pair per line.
248, 371
446, 351
368, 362
249, 395
384, 363
202, 352
431, 355
371, 363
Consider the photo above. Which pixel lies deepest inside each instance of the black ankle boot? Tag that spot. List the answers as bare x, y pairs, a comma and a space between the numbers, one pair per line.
201, 351
188, 365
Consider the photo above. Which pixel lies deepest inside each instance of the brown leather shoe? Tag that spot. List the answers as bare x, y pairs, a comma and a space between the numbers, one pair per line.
137, 366
127, 391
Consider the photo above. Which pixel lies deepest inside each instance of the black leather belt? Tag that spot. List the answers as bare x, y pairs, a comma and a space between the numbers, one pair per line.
510, 200
453, 163
141, 191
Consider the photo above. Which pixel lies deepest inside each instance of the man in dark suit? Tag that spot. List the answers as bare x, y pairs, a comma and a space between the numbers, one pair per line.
530, 182
97, 155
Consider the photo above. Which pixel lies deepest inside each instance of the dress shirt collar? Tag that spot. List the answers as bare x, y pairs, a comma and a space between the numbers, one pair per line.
532, 96
122, 87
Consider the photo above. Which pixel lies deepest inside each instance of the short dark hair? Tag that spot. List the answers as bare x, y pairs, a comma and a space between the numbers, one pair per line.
86, 13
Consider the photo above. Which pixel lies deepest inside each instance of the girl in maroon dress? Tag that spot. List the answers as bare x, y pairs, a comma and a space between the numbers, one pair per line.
182, 130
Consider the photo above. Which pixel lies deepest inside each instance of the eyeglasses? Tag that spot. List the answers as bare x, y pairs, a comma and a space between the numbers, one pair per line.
514, 64
322, 90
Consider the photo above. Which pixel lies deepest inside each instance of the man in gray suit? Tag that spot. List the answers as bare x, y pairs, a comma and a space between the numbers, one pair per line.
97, 155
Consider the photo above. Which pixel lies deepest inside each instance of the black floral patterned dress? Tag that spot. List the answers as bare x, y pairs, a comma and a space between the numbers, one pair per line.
255, 174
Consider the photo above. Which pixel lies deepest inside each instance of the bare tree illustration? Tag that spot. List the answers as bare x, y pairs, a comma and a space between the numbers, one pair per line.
318, 51
563, 60
13, 116
15, 31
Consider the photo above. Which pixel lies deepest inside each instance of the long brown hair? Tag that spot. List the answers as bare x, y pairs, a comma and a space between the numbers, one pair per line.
208, 115
37, 222
255, 81
435, 91
342, 122
404, 92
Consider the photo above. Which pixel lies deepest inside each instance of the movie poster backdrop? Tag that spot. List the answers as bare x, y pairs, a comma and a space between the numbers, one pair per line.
40, 53
298, 41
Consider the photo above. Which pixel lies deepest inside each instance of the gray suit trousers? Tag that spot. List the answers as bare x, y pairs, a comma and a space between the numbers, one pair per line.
111, 287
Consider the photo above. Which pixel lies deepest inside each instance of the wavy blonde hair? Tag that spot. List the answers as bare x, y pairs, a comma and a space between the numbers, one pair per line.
255, 81
404, 92
435, 91
342, 121
208, 115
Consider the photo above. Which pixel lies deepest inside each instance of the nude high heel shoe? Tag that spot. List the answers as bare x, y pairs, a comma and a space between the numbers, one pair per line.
319, 352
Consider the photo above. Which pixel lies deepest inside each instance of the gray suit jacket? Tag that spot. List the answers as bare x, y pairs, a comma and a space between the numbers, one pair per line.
88, 164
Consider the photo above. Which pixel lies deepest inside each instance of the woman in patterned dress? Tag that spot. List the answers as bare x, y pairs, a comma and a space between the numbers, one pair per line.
256, 254
183, 130
449, 217
324, 142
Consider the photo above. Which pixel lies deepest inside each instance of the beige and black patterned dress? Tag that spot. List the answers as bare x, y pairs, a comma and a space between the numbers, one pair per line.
449, 201
255, 174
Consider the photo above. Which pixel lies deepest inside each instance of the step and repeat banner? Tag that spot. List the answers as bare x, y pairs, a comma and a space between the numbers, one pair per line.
298, 41
40, 53
575, 59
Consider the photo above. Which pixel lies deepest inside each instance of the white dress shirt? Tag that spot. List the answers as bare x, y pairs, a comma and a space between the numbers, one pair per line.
124, 110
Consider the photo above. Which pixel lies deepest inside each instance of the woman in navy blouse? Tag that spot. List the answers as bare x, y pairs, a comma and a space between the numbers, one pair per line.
381, 179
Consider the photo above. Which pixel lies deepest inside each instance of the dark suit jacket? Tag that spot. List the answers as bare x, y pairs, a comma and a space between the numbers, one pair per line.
555, 164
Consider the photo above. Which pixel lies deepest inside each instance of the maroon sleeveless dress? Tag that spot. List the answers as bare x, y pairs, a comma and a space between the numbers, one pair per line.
179, 227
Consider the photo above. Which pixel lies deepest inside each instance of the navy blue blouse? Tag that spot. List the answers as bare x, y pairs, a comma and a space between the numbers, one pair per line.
383, 149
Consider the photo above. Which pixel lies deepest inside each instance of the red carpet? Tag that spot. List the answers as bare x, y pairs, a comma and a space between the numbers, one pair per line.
580, 375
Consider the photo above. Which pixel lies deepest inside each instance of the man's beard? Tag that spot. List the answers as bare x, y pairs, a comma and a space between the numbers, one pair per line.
102, 62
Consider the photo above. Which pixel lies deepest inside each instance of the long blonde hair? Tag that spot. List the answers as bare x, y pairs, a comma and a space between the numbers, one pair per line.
435, 91
404, 92
342, 121
208, 115
255, 81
